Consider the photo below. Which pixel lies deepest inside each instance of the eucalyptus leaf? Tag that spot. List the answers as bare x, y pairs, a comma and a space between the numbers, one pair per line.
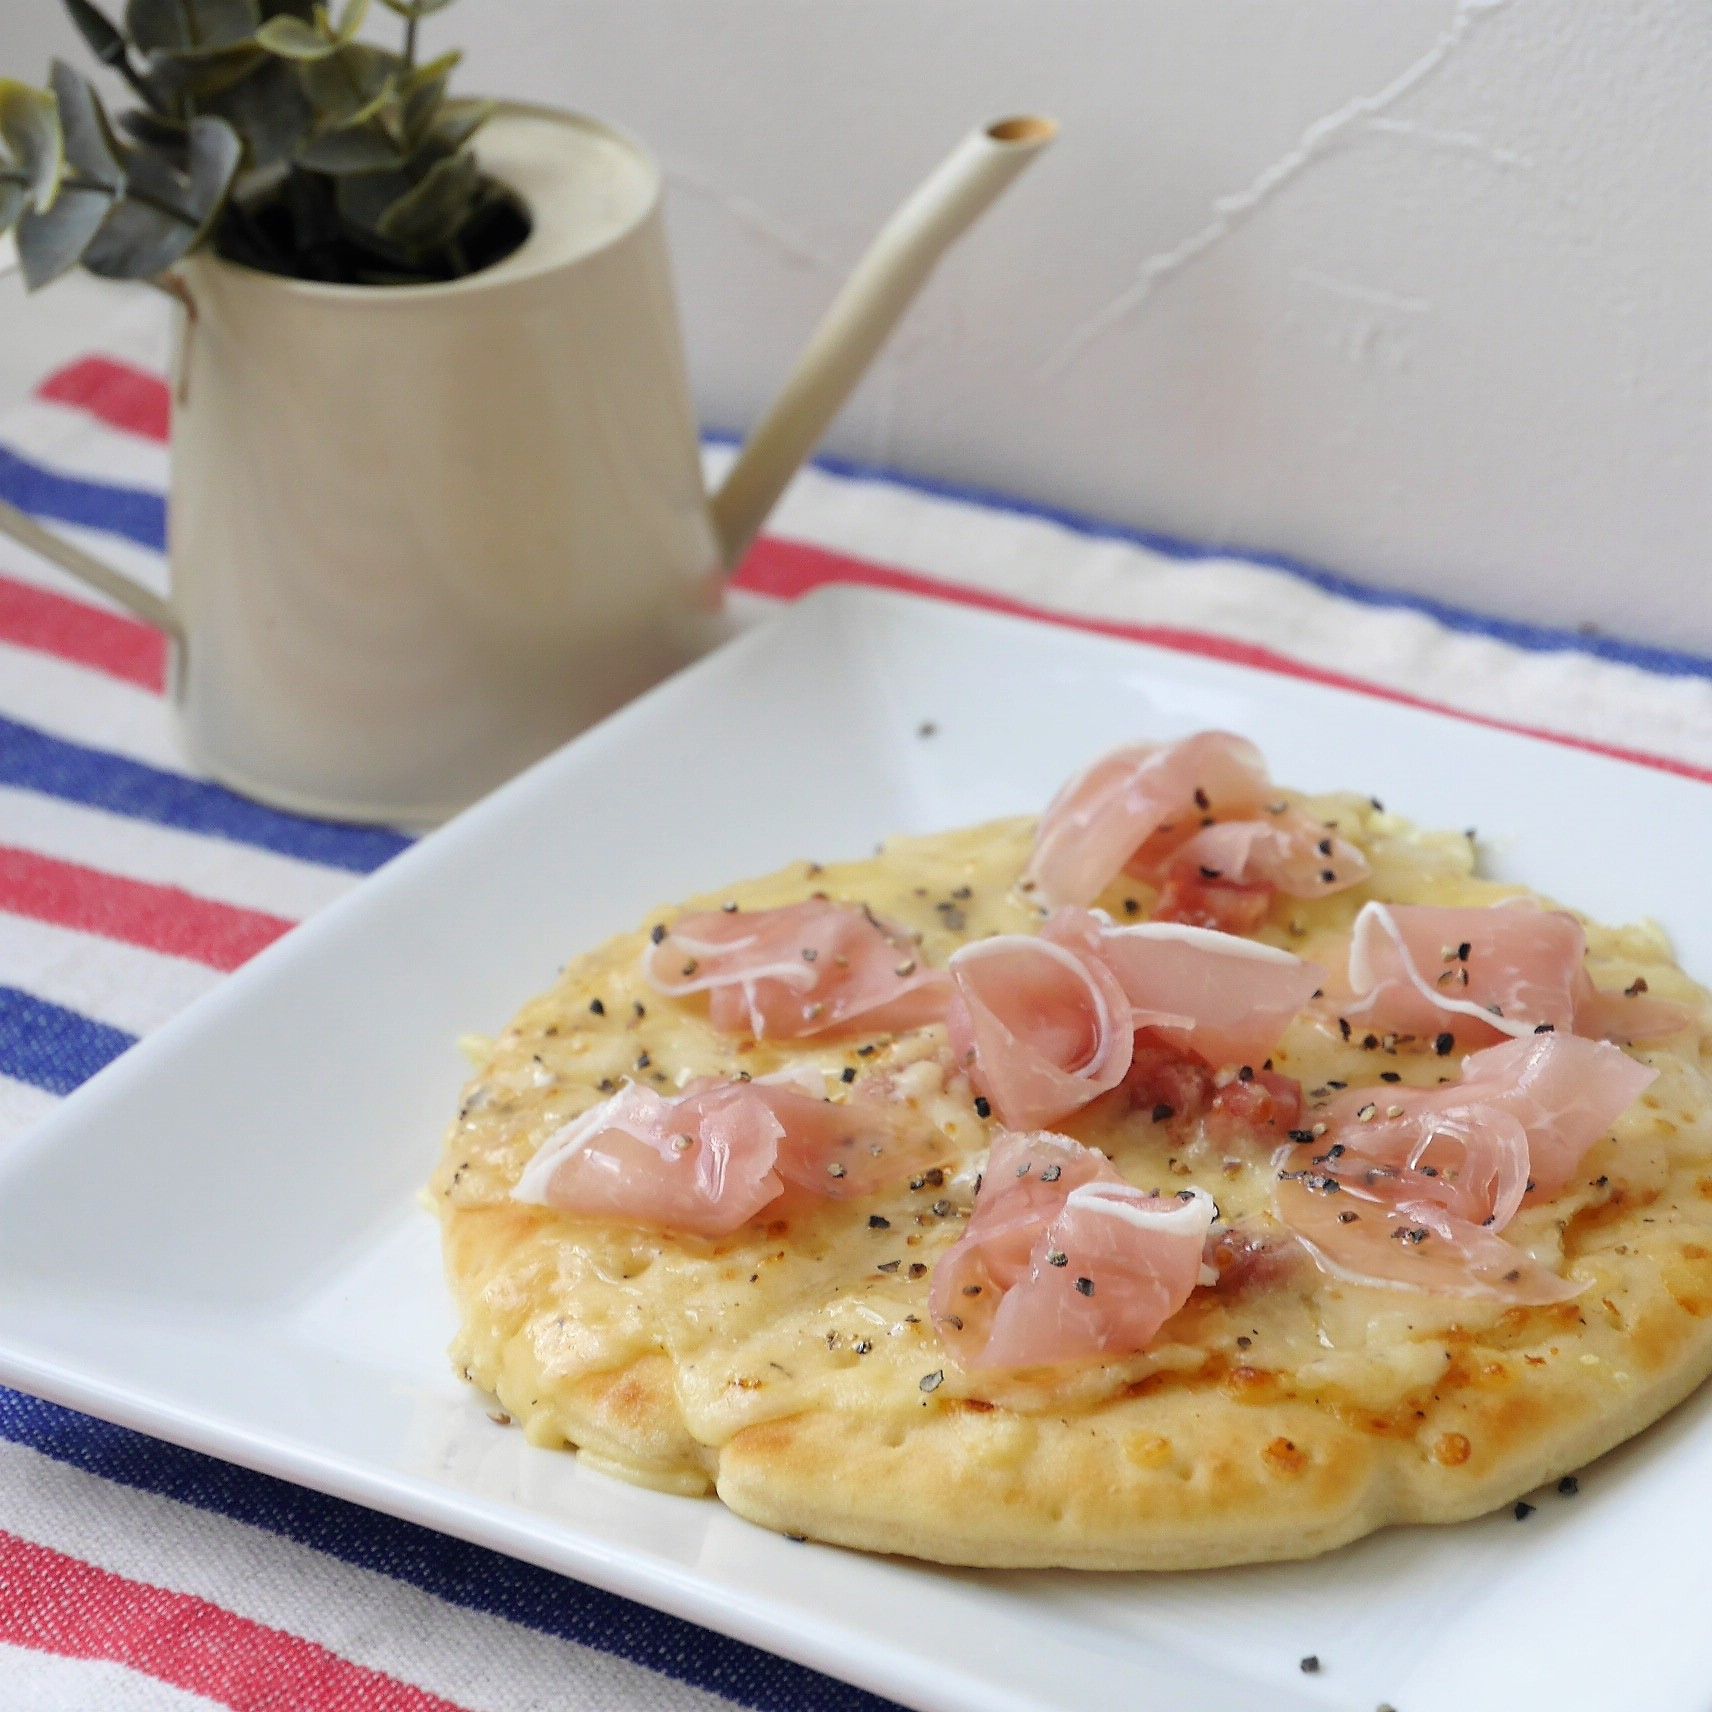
458, 121
191, 28
351, 21
53, 241
363, 197
215, 151
162, 216
291, 38
423, 90
32, 140
154, 131
430, 214
269, 110
364, 148
190, 80
98, 32
90, 146
350, 85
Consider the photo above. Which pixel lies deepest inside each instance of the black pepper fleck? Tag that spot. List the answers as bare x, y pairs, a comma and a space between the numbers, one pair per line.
983, 1106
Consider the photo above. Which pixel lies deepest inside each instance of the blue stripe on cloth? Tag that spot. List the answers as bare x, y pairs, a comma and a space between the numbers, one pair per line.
37, 761
1536, 638
135, 513
463, 1574
50, 1047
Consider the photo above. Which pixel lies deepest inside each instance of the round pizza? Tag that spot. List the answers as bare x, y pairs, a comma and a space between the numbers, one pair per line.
1199, 1174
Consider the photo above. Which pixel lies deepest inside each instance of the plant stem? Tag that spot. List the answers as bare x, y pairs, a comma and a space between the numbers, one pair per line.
77, 181
410, 23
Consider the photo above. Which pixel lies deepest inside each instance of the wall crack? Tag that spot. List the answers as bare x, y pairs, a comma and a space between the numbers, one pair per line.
1231, 211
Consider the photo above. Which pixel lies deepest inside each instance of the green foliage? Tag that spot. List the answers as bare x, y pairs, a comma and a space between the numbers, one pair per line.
269, 128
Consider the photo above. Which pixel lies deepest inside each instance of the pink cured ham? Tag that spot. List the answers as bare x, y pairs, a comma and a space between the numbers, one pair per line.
1156, 809
1238, 995
1363, 1239
1046, 1024
1040, 1023
1063, 1261
1437, 1173
817, 967
1485, 974
1288, 851
708, 1161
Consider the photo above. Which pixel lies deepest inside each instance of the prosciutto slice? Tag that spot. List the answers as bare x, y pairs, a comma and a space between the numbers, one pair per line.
1046, 1024
1364, 1239
1237, 995
1412, 1186
1202, 808
709, 1160
1040, 1023
817, 967
1288, 852
1062, 1261
1487, 974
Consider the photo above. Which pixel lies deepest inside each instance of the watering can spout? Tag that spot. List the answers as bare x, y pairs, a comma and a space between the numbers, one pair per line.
869, 306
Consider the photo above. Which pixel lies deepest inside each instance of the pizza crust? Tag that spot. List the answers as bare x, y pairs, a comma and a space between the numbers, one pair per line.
784, 1367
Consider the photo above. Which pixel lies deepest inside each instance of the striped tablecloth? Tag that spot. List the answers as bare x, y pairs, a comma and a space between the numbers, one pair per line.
134, 1575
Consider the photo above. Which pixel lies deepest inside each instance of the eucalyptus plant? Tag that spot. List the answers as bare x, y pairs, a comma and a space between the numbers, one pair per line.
268, 129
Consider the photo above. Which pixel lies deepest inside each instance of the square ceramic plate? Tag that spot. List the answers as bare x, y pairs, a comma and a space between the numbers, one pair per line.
218, 1240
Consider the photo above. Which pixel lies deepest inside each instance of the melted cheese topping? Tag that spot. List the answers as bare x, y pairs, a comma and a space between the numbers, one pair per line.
825, 1304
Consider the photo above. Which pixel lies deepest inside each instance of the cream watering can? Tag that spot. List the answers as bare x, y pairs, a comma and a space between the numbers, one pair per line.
421, 535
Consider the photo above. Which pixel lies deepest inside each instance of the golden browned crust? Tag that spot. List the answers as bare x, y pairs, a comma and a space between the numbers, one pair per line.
785, 1367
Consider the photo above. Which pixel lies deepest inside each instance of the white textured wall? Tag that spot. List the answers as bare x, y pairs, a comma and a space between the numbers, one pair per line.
1418, 289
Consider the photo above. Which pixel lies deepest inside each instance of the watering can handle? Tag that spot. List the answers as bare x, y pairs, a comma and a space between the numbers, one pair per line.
144, 602
862, 316
127, 591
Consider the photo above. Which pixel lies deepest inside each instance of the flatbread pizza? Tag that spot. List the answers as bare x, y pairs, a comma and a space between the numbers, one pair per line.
1198, 1174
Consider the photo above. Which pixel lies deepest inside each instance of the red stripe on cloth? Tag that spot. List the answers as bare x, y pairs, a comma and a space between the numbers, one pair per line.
83, 634
129, 399
158, 918
56, 1604
787, 570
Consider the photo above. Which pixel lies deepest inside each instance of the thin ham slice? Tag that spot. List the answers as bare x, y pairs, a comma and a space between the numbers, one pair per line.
1487, 974
1046, 1024
1238, 995
1363, 1239
1288, 852
1202, 808
1040, 1023
710, 1160
816, 967
1102, 817
1063, 1261
1412, 1186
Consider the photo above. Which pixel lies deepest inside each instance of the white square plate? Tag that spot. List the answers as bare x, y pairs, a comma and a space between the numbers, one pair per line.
218, 1240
